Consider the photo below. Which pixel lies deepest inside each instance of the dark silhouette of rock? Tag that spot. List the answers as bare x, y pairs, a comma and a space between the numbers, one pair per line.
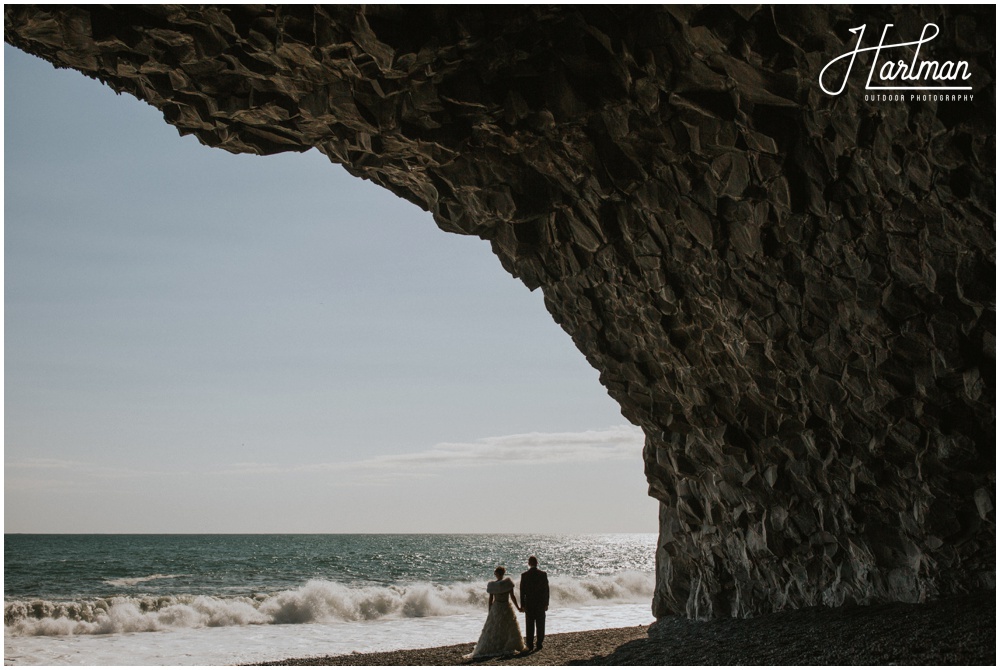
791, 292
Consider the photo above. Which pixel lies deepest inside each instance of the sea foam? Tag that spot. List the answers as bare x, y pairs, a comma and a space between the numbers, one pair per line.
315, 601
132, 581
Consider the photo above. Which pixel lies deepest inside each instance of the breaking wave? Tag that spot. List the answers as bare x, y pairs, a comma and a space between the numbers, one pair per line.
315, 601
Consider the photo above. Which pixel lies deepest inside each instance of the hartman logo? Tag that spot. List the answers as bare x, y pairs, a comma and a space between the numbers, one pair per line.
898, 72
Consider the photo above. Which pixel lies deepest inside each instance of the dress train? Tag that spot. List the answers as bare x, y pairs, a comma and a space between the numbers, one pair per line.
501, 633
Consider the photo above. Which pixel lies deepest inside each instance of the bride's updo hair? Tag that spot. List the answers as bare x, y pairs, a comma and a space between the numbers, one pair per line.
499, 572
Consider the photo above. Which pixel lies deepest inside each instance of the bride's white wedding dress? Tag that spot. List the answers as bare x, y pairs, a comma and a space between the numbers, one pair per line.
501, 632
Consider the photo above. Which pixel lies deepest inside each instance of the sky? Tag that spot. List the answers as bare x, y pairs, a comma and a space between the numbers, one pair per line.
199, 342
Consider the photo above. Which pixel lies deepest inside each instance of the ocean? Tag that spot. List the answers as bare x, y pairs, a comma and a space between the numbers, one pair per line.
227, 599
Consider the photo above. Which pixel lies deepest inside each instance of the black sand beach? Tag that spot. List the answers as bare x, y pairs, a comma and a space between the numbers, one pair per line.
953, 631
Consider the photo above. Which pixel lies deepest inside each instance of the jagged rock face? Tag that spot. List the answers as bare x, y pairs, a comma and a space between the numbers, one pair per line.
792, 293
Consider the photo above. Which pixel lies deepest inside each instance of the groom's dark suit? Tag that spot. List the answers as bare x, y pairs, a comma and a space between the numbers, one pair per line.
534, 602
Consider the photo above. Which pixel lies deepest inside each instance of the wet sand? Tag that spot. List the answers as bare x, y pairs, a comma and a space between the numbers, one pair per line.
952, 631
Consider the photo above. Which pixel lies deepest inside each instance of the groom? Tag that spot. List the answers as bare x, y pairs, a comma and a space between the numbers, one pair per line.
534, 602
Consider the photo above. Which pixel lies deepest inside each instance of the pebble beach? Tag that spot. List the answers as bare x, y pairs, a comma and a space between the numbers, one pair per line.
952, 631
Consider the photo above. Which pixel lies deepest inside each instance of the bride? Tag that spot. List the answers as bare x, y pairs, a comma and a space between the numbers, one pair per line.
501, 632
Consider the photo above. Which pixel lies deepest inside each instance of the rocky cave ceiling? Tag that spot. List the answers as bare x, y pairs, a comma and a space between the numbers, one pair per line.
791, 292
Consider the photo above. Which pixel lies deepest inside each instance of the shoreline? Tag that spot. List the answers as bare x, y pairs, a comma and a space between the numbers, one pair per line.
560, 649
958, 630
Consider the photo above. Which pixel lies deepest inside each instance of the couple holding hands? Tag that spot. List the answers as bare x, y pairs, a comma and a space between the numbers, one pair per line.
501, 633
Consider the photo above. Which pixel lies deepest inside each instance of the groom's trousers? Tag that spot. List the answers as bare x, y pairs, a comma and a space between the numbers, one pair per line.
533, 619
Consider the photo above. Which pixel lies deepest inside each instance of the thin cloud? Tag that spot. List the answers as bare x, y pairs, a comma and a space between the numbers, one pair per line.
592, 446
613, 444
617, 443
251, 468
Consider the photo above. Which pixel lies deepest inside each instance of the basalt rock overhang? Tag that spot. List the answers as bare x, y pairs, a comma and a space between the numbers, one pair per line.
791, 292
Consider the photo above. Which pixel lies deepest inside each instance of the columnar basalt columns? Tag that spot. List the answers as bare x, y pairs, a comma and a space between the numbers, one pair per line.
791, 292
